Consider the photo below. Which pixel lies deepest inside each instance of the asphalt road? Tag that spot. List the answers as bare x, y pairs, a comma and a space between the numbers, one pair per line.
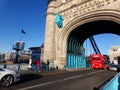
86, 79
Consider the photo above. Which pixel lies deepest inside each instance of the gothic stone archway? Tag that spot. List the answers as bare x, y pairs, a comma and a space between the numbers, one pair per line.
56, 39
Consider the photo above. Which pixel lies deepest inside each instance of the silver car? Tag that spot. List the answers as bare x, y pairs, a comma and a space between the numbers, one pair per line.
113, 67
8, 77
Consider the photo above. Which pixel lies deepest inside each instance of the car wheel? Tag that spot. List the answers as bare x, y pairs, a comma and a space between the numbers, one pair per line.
7, 80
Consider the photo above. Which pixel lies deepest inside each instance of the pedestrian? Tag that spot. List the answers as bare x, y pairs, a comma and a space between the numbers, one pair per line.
30, 64
42, 66
33, 65
38, 65
47, 65
48, 62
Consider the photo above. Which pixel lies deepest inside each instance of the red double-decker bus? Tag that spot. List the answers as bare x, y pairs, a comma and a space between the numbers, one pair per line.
99, 61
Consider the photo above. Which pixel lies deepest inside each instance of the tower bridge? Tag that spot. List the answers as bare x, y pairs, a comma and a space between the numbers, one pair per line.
81, 20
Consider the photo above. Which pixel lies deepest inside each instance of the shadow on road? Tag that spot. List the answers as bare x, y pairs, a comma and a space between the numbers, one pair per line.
29, 77
24, 78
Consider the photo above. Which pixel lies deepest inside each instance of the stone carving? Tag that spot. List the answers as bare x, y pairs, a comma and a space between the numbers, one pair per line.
59, 20
82, 8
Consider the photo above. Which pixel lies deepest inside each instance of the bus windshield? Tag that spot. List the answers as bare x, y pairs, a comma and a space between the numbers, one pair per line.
96, 59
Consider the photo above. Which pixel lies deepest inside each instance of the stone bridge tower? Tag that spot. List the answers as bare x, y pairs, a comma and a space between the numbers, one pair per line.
75, 14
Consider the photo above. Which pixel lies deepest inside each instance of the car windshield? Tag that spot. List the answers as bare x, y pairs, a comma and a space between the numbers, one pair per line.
114, 65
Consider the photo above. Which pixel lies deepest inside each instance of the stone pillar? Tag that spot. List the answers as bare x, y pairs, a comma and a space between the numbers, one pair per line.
49, 33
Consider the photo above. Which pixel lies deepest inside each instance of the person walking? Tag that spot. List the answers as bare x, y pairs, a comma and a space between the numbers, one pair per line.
42, 66
38, 65
30, 64
47, 65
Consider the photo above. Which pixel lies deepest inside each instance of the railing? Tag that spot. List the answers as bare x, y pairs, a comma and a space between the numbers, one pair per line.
113, 84
25, 67
15, 66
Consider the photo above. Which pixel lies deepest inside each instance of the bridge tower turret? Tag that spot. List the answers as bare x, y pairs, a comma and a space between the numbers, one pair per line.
49, 32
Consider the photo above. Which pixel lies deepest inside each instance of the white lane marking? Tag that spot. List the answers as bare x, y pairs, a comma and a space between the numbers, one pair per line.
47, 83
35, 86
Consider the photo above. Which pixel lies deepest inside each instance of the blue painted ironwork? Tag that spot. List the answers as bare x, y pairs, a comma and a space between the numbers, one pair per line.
73, 45
113, 84
59, 20
94, 45
75, 54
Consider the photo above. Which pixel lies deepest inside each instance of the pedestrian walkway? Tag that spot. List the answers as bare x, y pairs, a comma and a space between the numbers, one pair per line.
23, 69
50, 72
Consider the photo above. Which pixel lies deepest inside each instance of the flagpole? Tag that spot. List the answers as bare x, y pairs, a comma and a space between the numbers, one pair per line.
22, 32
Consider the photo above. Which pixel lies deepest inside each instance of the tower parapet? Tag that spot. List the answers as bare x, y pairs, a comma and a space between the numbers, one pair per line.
50, 32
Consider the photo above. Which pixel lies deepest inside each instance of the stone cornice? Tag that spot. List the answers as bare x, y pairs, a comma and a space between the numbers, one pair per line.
50, 14
51, 7
85, 7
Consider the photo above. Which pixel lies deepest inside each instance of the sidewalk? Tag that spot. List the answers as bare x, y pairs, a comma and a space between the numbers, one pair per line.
52, 71
23, 68
43, 72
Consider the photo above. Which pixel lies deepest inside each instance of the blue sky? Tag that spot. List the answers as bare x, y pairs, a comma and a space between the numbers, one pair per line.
104, 43
29, 15
16, 15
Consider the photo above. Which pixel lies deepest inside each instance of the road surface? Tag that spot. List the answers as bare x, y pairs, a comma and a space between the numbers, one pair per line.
86, 79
